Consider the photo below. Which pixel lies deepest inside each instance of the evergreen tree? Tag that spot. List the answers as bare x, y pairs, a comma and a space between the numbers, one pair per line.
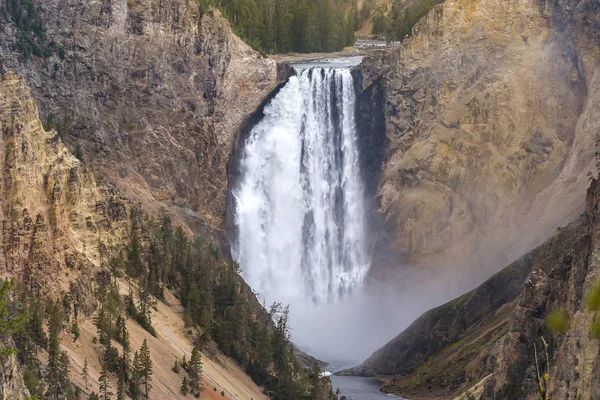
184, 386
136, 372
195, 368
85, 373
291, 25
194, 304
184, 362
104, 382
35, 323
56, 378
9, 324
70, 393
145, 367
121, 388
135, 266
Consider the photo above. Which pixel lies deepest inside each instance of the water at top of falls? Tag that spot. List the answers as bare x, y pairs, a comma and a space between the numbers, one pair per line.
300, 213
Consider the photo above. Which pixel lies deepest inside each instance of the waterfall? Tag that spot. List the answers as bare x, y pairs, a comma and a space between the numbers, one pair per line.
299, 204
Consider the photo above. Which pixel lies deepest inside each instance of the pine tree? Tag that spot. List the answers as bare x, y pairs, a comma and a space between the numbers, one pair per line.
145, 367
135, 266
134, 384
194, 304
85, 373
184, 386
35, 323
56, 379
104, 382
184, 363
121, 388
70, 393
195, 368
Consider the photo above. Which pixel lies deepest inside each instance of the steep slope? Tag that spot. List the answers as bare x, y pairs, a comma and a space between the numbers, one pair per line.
172, 343
55, 216
489, 131
154, 92
485, 339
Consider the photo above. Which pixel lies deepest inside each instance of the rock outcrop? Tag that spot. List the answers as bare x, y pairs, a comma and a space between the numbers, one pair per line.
12, 385
489, 130
491, 123
54, 215
55, 218
153, 91
483, 342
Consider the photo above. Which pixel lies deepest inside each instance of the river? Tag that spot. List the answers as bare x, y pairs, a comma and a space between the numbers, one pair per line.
357, 388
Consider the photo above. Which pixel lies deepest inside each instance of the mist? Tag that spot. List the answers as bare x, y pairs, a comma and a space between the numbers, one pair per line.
347, 331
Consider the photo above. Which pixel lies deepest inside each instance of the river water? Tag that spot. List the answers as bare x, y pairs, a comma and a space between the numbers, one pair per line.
358, 388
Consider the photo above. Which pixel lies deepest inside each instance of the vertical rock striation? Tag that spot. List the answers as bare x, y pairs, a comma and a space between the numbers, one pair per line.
489, 130
54, 215
154, 91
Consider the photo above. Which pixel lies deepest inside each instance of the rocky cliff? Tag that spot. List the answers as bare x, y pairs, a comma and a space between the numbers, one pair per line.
11, 378
54, 215
55, 219
153, 91
489, 130
482, 344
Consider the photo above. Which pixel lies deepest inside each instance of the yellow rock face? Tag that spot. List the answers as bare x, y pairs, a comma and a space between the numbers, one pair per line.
490, 133
54, 215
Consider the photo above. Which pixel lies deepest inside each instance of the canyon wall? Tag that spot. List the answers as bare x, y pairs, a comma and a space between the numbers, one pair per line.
482, 343
153, 91
489, 131
54, 215
58, 222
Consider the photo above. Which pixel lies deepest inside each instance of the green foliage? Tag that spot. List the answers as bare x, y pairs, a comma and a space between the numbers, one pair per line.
78, 152
93, 396
379, 22
184, 386
216, 302
31, 32
104, 383
403, 16
9, 323
136, 376
58, 362
176, 368
542, 374
593, 297
288, 25
60, 125
135, 266
195, 368
144, 367
85, 373
33, 382
140, 312
558, 321
75, 331
593, 303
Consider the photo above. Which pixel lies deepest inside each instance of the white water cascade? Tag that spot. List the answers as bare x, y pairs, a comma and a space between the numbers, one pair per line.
299, 204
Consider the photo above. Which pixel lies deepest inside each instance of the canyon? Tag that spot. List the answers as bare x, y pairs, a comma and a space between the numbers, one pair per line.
476, 141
